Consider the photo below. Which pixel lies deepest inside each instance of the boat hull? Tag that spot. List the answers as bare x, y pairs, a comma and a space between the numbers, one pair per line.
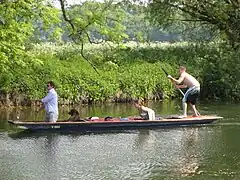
114, 124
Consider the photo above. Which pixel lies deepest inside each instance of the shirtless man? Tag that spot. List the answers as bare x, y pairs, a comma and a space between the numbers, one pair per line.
193, 90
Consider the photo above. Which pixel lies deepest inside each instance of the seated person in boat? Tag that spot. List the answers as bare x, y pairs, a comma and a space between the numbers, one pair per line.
145, 112
74, 116
93, 118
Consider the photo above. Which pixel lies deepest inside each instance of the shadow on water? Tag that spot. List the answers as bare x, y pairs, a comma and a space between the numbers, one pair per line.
31, 134
143, 133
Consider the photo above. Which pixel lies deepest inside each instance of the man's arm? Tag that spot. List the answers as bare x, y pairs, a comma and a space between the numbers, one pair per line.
145, 108
43, 101
41, 107
47, 98
177, 81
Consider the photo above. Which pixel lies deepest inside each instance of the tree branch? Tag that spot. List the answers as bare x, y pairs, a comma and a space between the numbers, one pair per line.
187, 20
64, 14
202, 15
79, 33
235, 3
92, 42
82, 54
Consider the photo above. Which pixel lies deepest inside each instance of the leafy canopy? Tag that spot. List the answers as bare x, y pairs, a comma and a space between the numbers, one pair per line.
221, 16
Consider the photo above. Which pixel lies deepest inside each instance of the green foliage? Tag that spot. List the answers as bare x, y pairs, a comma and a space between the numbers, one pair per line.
221, 75
16, 27
124, 73
76, 80
95, 20
221, 17
125, 70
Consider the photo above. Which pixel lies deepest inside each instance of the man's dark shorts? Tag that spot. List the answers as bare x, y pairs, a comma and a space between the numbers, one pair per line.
192, 95
192, 98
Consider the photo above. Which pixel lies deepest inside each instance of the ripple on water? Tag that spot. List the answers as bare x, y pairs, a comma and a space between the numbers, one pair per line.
145, 154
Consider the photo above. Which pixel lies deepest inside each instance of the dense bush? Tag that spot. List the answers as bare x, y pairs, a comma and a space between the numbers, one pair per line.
124, 72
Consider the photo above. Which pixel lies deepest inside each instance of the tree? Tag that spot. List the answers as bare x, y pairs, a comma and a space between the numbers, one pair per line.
16, 27
91, 21
221, 16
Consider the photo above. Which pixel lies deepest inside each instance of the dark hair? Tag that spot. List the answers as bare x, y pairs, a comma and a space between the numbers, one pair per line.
51, 83
73, 111
138, 101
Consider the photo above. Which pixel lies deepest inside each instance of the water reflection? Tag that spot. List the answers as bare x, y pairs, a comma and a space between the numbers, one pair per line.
143, 139
175, 151
50, 149
143, 154
51, 144
178, 150
189, 163
103, 110
170, 153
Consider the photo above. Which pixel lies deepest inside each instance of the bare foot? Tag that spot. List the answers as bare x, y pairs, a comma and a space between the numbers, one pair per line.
183, 116
195, 115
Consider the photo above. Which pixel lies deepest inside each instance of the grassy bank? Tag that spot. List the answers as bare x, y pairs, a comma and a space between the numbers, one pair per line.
124, 72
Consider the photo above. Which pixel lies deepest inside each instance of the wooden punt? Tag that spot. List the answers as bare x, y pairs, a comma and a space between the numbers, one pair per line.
104, 124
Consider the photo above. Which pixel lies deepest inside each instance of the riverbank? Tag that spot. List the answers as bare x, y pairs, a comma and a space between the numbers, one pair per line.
123, 73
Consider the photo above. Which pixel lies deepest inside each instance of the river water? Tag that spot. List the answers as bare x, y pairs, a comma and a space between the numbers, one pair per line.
203, 152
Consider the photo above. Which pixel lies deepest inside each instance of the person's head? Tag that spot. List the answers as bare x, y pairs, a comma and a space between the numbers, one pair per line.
182, 69
73, 112
50, 85
137, 103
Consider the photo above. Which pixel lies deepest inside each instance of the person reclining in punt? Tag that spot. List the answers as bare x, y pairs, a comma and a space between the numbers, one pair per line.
145, 112
74, 116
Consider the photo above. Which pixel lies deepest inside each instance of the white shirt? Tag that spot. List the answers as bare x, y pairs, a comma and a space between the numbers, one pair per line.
151, 113
51, 101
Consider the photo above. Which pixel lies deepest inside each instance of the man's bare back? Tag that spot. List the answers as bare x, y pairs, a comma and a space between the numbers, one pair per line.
189, 80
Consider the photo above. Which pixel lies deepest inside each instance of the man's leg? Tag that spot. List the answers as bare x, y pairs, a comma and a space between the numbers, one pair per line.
192, 100
196, 113
47, 117
53, 117
184, 104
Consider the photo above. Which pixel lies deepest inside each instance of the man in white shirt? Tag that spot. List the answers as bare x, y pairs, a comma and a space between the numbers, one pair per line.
193, 89
50, 103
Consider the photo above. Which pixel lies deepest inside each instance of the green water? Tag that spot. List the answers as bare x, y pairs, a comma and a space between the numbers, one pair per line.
205, 152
